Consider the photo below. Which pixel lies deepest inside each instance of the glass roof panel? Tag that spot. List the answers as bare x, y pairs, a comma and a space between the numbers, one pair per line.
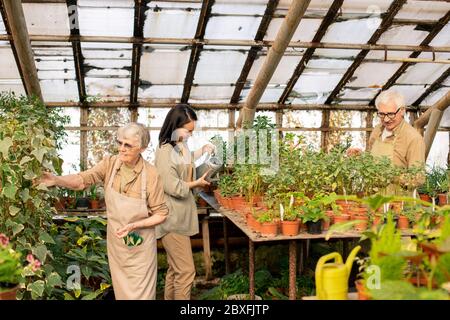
270, 95
232, 27
160, 93
305, 32
422, 73
56, 71
402, 35
344, 32
373, 74
442, 38
171, 19
219, 67
434, 97
211, 94
9, 75
164, 64
423, 10
47, 18
358, 94
282, 74
102, 18
107, 70
239, 7
411, 93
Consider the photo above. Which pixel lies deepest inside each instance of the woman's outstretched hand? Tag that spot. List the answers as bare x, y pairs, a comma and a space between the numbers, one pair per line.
48, 179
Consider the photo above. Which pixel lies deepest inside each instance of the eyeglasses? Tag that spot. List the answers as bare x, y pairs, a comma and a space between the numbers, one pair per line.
390, 115
126, 145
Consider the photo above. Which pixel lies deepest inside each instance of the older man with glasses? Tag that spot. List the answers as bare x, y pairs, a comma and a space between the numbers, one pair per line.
394, 137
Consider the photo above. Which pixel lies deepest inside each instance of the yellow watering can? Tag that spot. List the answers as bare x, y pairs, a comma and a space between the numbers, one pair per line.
332, 278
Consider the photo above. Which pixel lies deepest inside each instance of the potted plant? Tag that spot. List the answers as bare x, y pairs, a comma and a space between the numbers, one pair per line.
312, 216
11, 270
269, 227
81, 202
290, 223
95, 204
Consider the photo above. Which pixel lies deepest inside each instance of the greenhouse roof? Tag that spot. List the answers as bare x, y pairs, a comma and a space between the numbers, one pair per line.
150, 53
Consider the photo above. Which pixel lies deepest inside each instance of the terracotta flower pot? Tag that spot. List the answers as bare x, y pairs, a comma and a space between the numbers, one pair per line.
361, 226
290, 228
424, 197
341, 218
326, 223
363, 294
269, 229
443, 199
9, 294
95, 204
402, 222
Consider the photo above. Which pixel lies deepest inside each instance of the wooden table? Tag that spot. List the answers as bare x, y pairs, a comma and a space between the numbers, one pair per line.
255, 237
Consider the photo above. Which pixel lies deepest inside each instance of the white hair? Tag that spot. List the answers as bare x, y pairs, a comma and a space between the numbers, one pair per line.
135, 130
388, 96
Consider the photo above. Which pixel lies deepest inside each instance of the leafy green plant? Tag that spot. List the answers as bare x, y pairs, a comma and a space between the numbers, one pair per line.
312, 214
93, 192
81, 243
29, 137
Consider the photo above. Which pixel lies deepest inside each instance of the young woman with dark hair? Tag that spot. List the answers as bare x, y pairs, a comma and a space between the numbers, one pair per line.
175, 165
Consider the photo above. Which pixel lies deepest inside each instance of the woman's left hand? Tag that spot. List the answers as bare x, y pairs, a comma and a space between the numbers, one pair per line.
123, 232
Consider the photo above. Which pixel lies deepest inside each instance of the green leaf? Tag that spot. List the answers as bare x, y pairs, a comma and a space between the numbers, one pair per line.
10, 191
25, 160
13, 210
5, 144
42, 187
40, 251
39, 153
45, 237
77, 293
91, 296
24, 195
104, 286
29, 175
86, 271
341, 227
82, 240
79, 230
67, 296
71, 219
15, 227
54, 280
37, 287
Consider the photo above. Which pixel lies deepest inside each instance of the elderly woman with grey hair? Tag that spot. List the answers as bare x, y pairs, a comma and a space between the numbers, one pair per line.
135, 204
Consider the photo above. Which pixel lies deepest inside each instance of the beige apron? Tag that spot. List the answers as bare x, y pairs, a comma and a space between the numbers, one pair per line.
133, 269
380, 149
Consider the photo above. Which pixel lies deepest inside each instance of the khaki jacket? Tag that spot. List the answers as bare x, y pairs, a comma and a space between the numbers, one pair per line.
179, 198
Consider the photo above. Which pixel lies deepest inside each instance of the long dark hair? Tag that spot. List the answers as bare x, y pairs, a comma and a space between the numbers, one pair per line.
175, 119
